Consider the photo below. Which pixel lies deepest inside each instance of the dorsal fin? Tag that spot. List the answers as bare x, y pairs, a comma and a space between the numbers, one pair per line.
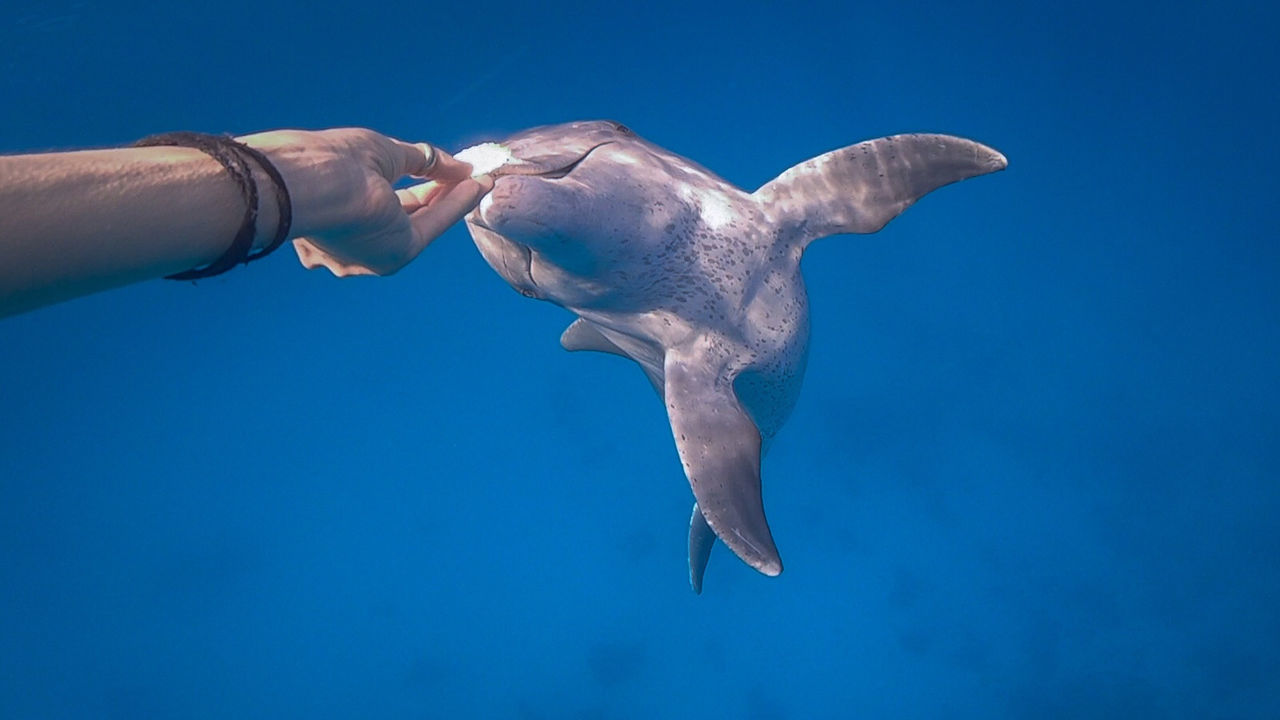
860, 188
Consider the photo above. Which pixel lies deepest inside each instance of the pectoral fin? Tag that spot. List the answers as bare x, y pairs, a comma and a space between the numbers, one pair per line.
582, 335
860, 188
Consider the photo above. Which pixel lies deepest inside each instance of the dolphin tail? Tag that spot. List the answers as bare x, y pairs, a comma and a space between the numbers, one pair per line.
860, 188
719, 447
701, 539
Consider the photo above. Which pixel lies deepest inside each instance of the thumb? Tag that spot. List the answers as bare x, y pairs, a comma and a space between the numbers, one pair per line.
431, 222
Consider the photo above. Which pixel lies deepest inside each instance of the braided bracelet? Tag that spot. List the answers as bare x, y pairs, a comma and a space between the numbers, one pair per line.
234, 157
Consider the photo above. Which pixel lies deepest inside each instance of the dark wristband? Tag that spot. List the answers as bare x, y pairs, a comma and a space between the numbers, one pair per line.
234, 158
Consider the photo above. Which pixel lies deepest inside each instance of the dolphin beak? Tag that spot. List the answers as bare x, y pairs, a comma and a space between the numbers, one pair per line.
553, 167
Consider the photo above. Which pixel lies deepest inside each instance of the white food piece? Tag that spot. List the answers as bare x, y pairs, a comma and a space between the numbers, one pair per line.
485, 157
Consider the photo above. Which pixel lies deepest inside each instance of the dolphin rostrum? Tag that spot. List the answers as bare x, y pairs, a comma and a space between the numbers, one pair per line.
696, 280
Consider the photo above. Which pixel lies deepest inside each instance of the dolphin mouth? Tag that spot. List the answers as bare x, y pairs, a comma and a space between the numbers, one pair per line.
542, 170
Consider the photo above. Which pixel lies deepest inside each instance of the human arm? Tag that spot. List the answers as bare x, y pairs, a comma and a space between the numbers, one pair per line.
350, 221
74, 223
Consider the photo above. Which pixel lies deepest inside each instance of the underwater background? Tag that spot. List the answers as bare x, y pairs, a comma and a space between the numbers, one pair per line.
1034, 471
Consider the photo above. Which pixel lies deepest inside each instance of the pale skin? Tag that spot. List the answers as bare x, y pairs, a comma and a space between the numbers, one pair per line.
74, 223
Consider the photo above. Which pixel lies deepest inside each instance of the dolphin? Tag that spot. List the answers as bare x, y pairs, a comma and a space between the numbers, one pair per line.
695, 280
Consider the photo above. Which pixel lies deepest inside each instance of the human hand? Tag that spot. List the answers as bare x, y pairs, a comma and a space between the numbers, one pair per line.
346, 215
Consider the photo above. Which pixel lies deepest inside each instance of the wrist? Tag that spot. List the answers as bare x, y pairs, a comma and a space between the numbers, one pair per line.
287, 157
268, 209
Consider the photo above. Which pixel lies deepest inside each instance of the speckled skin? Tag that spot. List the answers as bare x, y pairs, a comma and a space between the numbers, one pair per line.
697, 281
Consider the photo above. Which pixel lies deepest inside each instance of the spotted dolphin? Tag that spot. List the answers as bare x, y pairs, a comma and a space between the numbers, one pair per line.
695, 280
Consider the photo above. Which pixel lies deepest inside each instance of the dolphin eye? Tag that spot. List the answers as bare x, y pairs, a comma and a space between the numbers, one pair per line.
622, 129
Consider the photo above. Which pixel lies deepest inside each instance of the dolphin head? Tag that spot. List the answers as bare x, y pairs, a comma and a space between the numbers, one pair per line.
555, 150
566, 202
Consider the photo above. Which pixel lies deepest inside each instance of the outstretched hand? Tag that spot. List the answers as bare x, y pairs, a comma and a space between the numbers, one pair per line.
347, 216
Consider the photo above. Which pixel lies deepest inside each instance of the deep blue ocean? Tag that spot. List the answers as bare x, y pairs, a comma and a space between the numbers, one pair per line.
1034, 471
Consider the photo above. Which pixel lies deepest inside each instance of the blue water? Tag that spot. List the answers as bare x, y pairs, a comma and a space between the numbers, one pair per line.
1034, 471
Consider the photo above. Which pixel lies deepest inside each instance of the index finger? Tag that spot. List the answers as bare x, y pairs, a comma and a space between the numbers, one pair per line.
410, 158
432, 162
